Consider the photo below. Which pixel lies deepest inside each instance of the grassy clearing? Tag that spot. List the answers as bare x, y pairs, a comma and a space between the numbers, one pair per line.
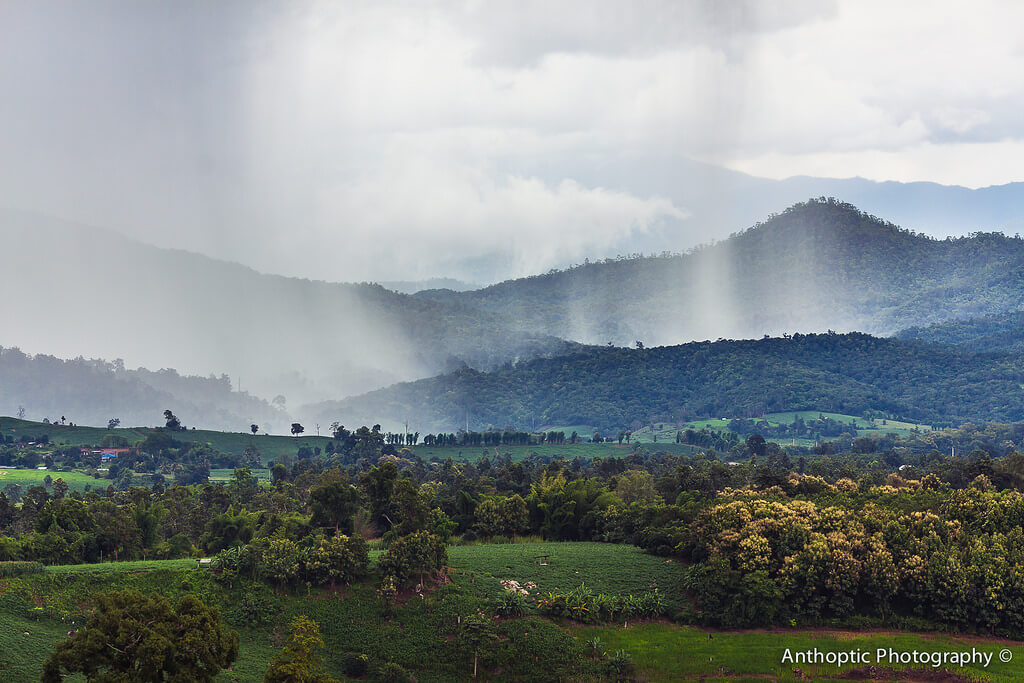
664, 652
122, 567
76, 480
271, 447
604, 567
227, 474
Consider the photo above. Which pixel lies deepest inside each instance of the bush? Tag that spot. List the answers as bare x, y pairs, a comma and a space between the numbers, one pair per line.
253, 608
511, 604
620, 663
16, 568
393, 673
355, 664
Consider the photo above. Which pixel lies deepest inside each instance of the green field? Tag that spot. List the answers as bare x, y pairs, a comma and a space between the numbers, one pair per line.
38, 610
226, 475
604, 567
270, 447
665, 652
122, 567
76, 480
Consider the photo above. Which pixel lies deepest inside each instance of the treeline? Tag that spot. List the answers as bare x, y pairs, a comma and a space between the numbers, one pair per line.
615, 388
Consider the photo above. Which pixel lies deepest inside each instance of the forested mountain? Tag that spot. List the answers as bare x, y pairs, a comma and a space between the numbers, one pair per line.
92, 392
1003, 332
74, 291
818, 265
613, 388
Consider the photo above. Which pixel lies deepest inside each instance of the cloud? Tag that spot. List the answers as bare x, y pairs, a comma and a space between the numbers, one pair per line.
491, 135
424, 211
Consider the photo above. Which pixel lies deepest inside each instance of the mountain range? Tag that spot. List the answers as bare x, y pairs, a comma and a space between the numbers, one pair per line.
821, 265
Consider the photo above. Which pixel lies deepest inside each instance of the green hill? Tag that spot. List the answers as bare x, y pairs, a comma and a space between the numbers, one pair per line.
819, 265
613, 388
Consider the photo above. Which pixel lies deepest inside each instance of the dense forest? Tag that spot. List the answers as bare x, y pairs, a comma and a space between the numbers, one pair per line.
1003, 332
818, 265
612, 388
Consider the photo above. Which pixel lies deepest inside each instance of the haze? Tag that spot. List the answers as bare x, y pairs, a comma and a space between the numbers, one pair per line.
400, 141
445, 143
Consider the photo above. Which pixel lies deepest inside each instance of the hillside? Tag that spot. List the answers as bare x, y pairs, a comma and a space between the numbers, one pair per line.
91, 392
616, 387
818, 265
1002, 332
76, 291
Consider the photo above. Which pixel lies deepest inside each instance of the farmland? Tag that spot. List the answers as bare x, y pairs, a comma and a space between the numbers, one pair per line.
77, 481
39, 609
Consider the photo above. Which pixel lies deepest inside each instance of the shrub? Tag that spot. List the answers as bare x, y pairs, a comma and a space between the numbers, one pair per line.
355, 664
393, 672
620, 663
511, 604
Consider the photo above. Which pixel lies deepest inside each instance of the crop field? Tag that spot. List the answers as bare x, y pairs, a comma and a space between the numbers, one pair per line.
665, 652
113, 568
603, 567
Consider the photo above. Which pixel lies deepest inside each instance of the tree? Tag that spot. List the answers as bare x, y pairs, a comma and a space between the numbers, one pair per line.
137, 638
21, 412
334, 505
419, 553
298, 661
113, 423
477, 633
173, 423
297, 429
254, 428
499, 515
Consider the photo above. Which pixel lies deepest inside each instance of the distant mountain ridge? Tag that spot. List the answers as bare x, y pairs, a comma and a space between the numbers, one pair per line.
819, 265
92, 392
77, 291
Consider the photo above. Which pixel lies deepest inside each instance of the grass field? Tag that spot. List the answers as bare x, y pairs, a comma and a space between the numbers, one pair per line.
603, 567
37, 610
122, 567
76, 480
665, 652
270, 447
226, 475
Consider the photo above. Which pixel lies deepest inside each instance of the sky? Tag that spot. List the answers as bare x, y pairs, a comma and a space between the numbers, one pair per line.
354, 141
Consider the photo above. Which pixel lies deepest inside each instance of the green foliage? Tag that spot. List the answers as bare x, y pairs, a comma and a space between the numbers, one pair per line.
132, 637
414, 556
355, 664
511, 604
581, 604
298, 661
15, 568
613, 387
392, 672
387, 593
